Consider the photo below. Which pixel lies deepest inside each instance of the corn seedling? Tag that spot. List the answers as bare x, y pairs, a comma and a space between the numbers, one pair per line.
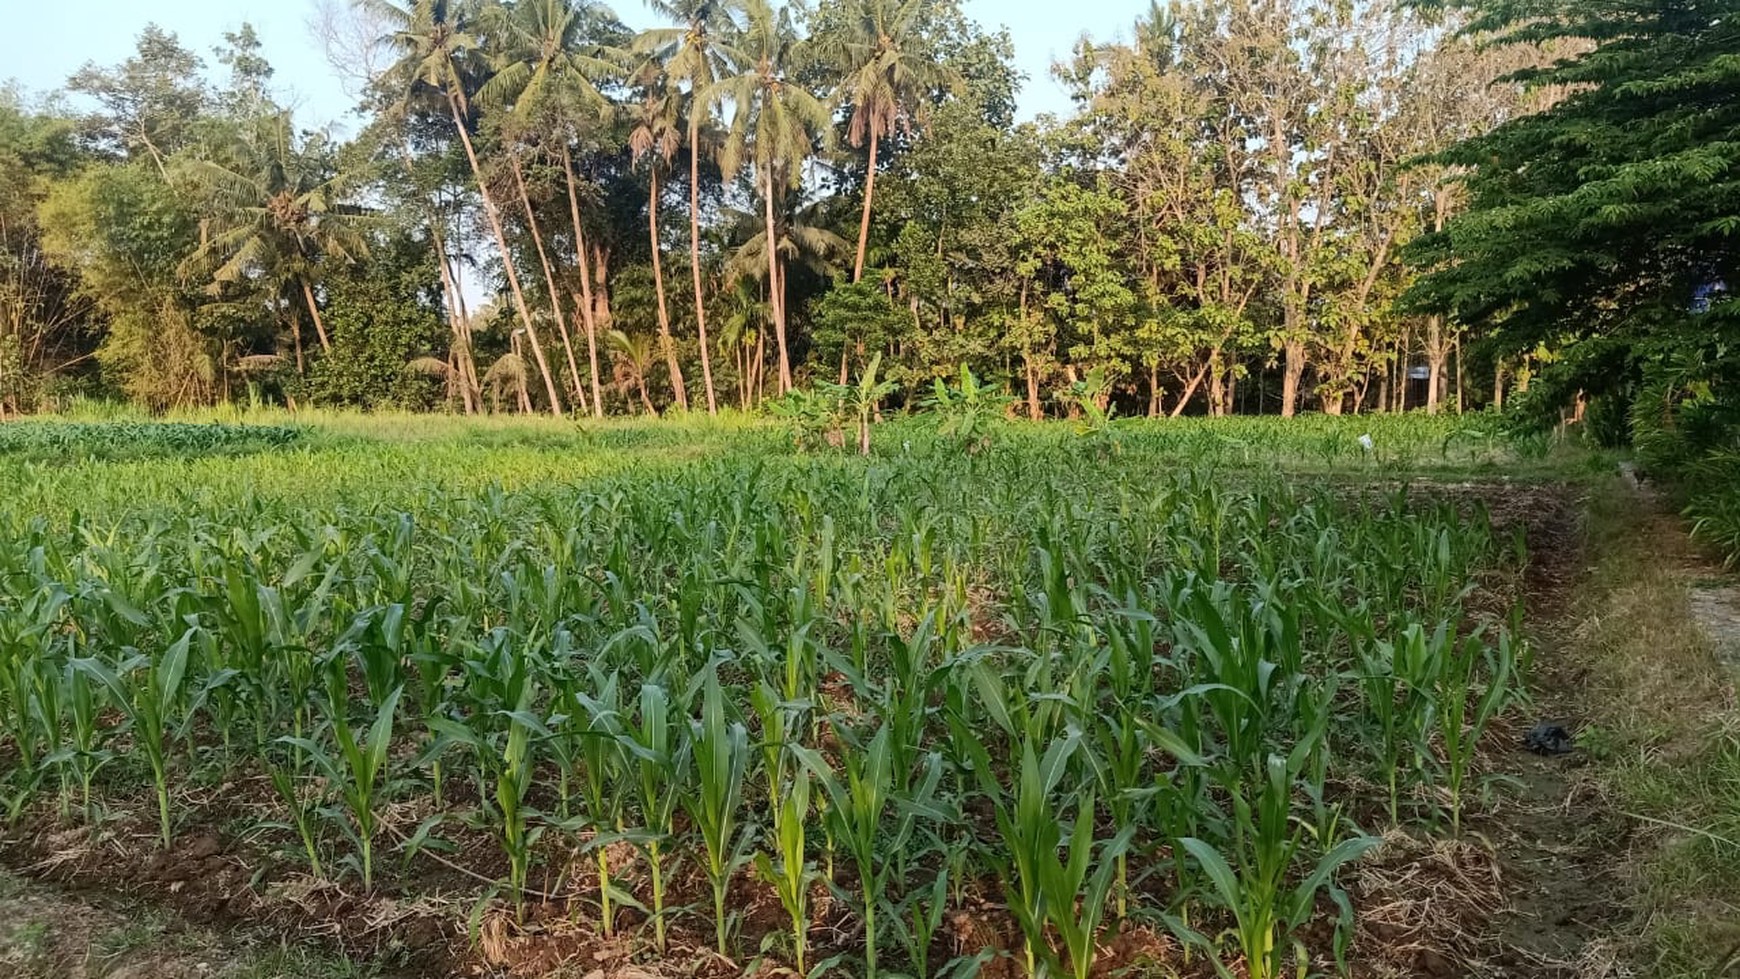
720, 750
787, 868
360, 768
1253, 880
148, 690
653, 739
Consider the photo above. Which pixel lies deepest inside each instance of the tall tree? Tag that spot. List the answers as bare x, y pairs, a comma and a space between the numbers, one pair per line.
148, 105
276, 210
655, 139
550, 69
775, 124
430, 38
1604, 226
888, 78
696, 54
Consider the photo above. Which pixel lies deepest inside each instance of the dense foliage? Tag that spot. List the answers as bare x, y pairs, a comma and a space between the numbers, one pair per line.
1603, 235
1215, 227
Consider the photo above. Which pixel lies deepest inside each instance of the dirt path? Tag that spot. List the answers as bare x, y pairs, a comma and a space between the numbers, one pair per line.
1640, 663
47, 933
1551, 844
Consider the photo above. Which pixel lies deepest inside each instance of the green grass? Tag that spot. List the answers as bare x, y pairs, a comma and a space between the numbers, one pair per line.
1667, 743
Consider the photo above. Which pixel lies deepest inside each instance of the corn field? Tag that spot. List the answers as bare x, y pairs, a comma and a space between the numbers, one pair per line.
1063, 684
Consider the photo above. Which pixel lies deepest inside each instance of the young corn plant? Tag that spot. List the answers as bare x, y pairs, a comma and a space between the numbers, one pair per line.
288, 777
508, 752
719, 747
859, 801
1253, 879
1465, 710
148, 690
513, 782
606, 774
85, 703
787, 868
1075, 888
26, 630
360, 769
654, 739
1031, 837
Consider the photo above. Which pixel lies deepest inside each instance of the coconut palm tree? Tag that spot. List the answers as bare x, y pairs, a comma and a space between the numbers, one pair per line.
655, 138
775, 124
277, 214
887, 74
696, 53
549, 67
432, 38
632, 357
802, 236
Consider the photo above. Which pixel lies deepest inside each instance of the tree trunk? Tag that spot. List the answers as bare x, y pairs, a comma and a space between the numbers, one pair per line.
296, 340
507, 258
1035, 410
1183, 402
314, 311
1402, 378
464, 368
462, 364
760, 385
549, 279
741, 358
1437, 351
588, 317
520, 385
665, 341
1154, 390
695, 258
1458, 349
864, 222
776, 288
1292, 372
601, 304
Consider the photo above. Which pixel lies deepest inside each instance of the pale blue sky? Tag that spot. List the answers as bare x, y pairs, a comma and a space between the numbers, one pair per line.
50, 39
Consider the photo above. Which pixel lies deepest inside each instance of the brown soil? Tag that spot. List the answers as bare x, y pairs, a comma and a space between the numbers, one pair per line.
50, 933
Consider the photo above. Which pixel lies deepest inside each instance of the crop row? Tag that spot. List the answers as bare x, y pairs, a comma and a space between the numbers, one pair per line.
1101, 694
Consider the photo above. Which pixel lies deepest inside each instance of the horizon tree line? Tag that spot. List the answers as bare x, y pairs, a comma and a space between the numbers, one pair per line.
1218, 225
